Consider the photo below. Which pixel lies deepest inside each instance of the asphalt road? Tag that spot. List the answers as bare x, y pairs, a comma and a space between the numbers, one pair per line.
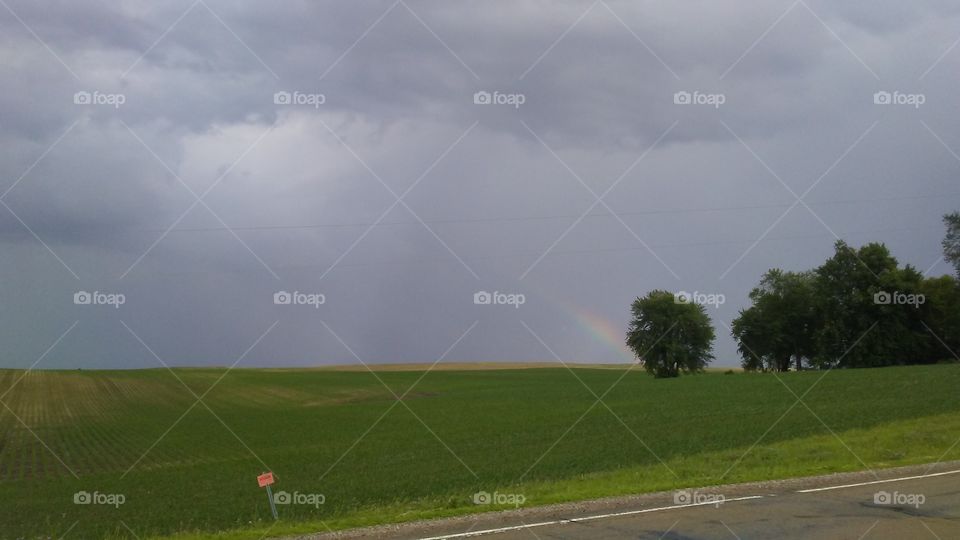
839, 513
907, 503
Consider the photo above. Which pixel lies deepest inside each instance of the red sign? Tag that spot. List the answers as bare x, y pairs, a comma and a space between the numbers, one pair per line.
265, 479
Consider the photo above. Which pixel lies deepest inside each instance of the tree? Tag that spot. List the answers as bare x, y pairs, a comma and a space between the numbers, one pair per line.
670, 336
860, 308
845, 285
754, 338
863, 323
941, 317
951, 243
777, 330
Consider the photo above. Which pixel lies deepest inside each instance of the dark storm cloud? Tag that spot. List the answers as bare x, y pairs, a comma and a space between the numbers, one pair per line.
290, 192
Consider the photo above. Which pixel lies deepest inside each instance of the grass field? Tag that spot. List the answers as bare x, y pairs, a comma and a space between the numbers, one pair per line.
536, 432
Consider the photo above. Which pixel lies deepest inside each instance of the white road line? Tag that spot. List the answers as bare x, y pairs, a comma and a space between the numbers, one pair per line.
578, 520
674, 507
879, 481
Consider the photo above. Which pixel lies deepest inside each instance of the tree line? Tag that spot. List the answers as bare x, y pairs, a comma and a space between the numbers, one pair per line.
859, 308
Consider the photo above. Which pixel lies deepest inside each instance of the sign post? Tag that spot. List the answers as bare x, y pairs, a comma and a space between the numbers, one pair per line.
264, 480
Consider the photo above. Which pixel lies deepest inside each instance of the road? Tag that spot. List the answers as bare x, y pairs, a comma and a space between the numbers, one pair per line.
905, 503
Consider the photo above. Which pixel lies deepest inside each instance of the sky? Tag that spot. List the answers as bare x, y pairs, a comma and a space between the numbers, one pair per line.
309, 183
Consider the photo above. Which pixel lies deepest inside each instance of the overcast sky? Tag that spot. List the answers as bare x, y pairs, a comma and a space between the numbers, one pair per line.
198, 157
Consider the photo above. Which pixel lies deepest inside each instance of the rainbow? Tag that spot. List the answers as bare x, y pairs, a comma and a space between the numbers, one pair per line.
603, 331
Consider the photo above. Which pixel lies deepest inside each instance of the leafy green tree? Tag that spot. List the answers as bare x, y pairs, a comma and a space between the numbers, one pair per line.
951, 243
858, 309
845, 285
668, 336
777, 330
941, 317
900, 326
755, 336
859, 325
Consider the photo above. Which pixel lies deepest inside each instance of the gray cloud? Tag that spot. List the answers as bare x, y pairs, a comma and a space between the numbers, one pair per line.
294, 190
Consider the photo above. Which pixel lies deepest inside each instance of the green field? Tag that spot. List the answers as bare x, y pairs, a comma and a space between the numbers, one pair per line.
495, 430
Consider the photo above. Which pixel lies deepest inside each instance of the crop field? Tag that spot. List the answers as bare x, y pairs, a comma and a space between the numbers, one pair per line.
157, 461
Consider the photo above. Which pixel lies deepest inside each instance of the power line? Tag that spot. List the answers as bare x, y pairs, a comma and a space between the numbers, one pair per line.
535, 252
554, 217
